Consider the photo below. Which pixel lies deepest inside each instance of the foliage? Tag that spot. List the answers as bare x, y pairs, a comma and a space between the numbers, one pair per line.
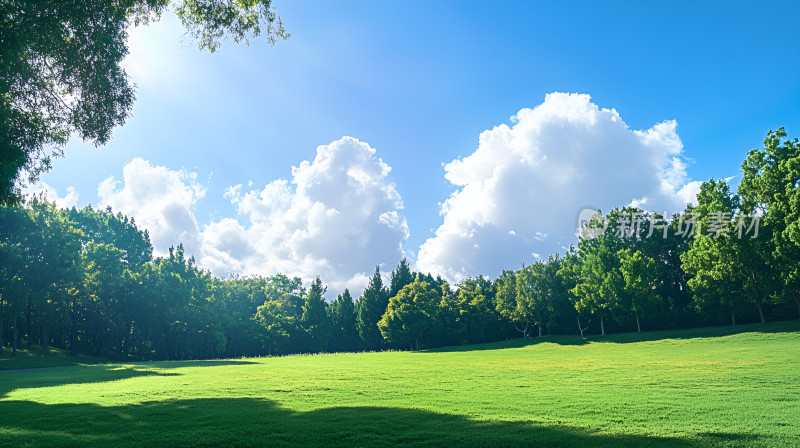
726, 268
370, 308
61, 73
86, 280
411, 314
771, 186
342, 315
474, 302
641, 276
314, 319
508, 304
600, 287
400, 277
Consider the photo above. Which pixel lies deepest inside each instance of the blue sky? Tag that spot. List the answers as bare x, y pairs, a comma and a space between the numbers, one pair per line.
419, 82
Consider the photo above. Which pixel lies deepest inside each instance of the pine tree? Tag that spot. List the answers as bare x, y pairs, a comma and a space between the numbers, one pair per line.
401, 277
371, 307
344, 334
314, 319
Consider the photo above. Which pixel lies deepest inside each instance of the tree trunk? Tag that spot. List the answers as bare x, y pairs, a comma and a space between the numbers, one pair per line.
14, 336
638, 326
45, 341
99, 346
602, 327
73, 332
524, 330
118, 348
798, 306
29, 332
761, 312
733, 317
2, 344
579, 325
167, 343
540, 331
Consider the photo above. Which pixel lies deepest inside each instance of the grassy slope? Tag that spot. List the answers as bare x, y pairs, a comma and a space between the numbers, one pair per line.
36, 358
697, 388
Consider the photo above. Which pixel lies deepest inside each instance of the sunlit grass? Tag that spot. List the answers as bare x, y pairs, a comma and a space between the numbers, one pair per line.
707, 387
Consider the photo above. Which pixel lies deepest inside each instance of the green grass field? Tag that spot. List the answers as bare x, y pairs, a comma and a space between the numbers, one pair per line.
37, 358
708, 387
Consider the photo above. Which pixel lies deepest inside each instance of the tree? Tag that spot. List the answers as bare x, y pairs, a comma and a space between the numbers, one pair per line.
60, 71
54, 265
371, 306
103, 226
725, 268
278, 322
770, 187
342, 313
411, 314
314, 319
280, 314
540, 293
474, 301
16, 227
641, 276
182, 294
105, 286
235, 302
532, 296
569, 274
508, 303
665, 246
712, 268
401, 276
599, 289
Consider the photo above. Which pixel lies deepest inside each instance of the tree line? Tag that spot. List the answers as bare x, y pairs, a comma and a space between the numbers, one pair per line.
86, 280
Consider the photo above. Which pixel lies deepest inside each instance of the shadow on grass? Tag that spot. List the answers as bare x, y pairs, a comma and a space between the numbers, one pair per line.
254, 422
35, 358
625, 338
200, 363
11, 380
567, 339
97, 373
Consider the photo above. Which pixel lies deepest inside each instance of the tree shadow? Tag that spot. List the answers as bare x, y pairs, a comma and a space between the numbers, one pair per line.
35, 357
567, 339
11, 380
626, 338
198, 363
256, 422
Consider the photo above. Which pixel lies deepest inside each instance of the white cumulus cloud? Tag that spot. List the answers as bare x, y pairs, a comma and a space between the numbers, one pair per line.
519, 193
160, 199
338, 218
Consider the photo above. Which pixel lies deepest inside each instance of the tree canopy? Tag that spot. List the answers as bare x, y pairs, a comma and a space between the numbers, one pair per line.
60, 72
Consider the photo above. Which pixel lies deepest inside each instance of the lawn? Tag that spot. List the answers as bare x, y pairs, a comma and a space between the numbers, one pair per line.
36, 358
707, 387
